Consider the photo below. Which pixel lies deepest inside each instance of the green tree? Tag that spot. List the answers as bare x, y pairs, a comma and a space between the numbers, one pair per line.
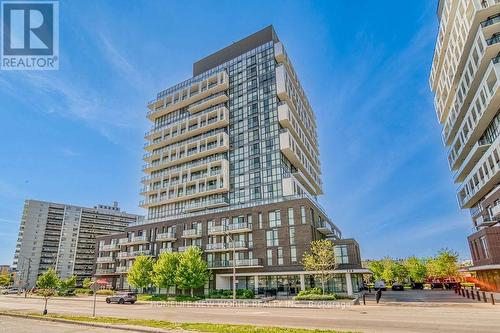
192, 270
387, 272
47, 284
5, 280
417, 269
443, 265
377, 267
320, 259
139, 275
392, 270
67, 285
87, 282
165, 270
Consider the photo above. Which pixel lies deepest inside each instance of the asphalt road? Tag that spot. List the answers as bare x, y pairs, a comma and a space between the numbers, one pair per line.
451, 314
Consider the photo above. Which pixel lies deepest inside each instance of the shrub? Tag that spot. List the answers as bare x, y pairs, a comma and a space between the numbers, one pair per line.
83, 291
315, 297
146, 297
228, 294
248, 294
105, 292
311, 291
66, 292
186, 298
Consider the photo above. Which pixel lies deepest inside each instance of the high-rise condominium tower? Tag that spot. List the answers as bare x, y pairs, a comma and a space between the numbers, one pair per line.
465, 77
232, 164
62, 237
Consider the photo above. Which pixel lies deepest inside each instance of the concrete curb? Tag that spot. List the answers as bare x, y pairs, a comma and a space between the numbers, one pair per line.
129, 328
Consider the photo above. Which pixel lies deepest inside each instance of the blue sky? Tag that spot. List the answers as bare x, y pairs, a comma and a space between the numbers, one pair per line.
76, 135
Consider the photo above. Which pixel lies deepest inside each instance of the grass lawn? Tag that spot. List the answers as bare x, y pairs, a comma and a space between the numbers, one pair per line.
201, 327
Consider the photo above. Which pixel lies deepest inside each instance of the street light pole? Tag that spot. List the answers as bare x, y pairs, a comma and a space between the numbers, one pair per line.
234, 266
94, 287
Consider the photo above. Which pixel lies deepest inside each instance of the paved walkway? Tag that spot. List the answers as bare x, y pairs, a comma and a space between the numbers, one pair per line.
20, 325
425, 315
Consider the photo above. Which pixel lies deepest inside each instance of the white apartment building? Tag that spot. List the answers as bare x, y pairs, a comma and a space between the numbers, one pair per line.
465, 78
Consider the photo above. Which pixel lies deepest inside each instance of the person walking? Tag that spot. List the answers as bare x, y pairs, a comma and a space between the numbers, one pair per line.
378, 295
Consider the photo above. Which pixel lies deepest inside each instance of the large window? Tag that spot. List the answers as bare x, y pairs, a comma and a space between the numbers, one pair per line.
274, 219
272, 238
302, 214
484, 245
341, 256
269, 257
280, 256
292, 235
293, 254
291, 220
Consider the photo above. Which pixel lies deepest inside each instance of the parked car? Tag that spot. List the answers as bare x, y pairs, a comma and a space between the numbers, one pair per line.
380, 285
11, 291
398, 286
122, 298
417, 286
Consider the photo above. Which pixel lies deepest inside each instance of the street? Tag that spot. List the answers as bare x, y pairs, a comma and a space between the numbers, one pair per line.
396, 313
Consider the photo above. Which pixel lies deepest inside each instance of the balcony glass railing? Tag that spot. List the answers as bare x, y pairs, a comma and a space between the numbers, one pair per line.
493, 40
238, 263
237, 226
164, 236
490, 21
191, 233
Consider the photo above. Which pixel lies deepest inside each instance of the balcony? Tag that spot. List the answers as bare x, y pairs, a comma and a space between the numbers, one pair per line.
134, 240
216, 230
183, 97
225, 247
210, 101
482, 179
166, 250
105, 259
294, 154
450, 55
238, 227
191, 233
123, 241
189, 167
288, 120
206, 204
105, 271
202, 189
324, 227
184, 248
476, 65
110, 247
218, 117
133, 254
486, 222
215, 247
480, 113
167, 236
471, 160
240, 263
122, 269
173, 156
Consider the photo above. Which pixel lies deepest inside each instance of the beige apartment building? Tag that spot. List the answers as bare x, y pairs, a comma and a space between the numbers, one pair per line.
62, 237
465, 78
